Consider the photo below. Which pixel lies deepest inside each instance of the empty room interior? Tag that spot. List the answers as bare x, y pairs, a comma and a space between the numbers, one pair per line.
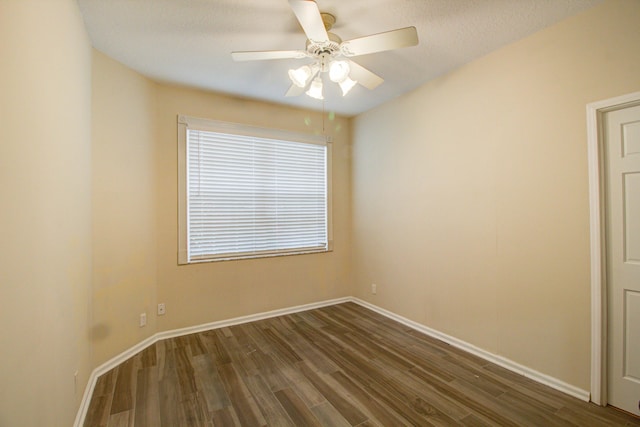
453, 281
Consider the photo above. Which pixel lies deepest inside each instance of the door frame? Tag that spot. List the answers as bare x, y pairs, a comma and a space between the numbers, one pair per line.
597, 225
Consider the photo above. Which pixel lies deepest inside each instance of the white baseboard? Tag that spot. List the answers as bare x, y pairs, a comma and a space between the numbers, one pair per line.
493, 358
498, 360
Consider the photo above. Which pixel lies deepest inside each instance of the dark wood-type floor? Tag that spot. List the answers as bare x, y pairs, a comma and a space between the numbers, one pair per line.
335, 366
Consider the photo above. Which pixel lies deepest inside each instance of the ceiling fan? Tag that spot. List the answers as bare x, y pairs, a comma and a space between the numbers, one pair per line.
330, 54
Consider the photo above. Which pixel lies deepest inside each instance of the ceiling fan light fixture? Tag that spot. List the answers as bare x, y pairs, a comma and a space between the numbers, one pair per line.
315, 90
346, 85
339, 71
327, 52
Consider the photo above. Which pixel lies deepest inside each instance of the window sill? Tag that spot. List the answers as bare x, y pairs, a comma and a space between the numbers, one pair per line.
256, 256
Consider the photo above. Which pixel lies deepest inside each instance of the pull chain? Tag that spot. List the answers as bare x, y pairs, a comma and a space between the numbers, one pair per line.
323, 132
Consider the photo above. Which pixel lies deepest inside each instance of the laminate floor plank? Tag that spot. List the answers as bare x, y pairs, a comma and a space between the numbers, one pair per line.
98, 412
196, 344
122, 394
214, 347
299, 413
193, 411
467, 399
381, 388
496, 386
282, 348
369, 404
488, 401
310, 353
455, 369
290, 371
584, 418
341, 365
241, 399
271, 408
329, 416
252, 330
106, 383
147, 408
185, 371
349, 411
308, 317
443, 402
284, 324
209, 384
121, 419
606, 414
308, 393
530, 414
361, 314
225, 417
524, 386
168, 390
269, 371
160, 349
241, 350
360, 363
473, 421
149, 357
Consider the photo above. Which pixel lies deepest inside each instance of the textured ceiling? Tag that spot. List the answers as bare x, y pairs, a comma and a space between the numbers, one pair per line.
189, 42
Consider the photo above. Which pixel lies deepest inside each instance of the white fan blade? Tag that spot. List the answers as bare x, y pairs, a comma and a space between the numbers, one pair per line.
309, 17
295, 90
363, 76
395, 39
267, 54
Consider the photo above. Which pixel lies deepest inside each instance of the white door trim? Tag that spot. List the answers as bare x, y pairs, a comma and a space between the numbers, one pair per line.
595, 111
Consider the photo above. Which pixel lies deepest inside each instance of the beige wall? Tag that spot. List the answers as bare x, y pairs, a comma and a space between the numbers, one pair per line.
135, 224
123, 195
45, 214
470, 194
201, 293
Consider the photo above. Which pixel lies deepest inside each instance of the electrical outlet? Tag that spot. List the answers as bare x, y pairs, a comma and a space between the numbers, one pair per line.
161, 309
374, 288
143, 319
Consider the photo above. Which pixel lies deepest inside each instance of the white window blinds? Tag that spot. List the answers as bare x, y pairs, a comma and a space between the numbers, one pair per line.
251, 196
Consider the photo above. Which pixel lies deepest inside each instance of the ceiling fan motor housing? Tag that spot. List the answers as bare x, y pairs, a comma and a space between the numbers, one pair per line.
331, 46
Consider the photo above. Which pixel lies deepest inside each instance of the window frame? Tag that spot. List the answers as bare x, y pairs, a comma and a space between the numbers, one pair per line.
187, 122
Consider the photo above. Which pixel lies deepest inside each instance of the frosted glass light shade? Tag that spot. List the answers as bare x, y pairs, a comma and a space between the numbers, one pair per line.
338, 71
315, 90
300, 76
346, 85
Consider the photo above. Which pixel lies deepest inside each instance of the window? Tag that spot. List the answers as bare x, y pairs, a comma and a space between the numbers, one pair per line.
247, 192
